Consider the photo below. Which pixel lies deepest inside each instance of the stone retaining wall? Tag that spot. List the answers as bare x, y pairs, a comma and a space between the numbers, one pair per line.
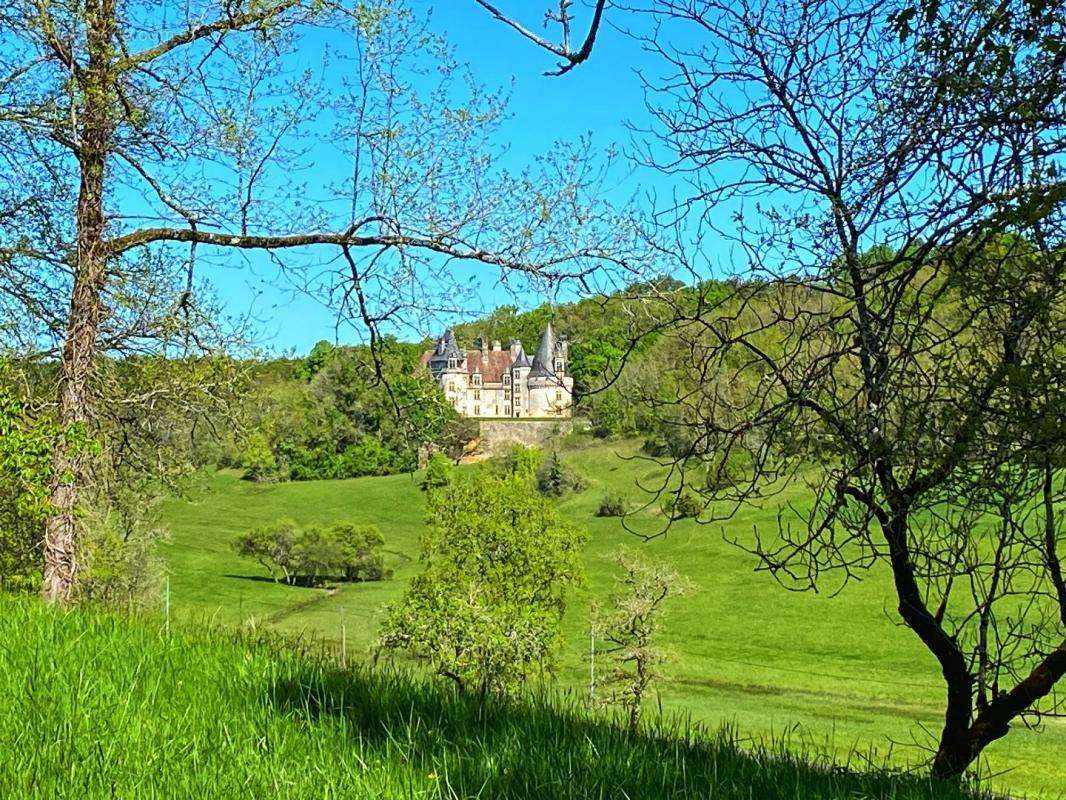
499, 434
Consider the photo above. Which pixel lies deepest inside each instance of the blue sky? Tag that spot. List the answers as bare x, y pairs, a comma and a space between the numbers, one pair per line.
597, 98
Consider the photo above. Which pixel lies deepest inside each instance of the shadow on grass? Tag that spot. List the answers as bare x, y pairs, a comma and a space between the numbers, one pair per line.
258, 579
545, 747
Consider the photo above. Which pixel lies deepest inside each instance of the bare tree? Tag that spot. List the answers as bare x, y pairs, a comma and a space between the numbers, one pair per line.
563, 18
628, 630
129, 130
889, 176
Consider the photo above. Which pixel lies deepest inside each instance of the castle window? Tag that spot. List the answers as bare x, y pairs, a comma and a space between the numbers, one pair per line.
477, 394
477, 379
506, 380
506, 409
559, 365
477, 411
558, 396
452, 364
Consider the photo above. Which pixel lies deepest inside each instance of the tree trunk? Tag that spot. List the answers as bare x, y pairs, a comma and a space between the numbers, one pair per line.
960, 749
71, 468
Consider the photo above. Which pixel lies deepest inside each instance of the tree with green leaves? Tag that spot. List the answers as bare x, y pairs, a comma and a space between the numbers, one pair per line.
360, 551
312, 555
272, 546
486, 610
25, 470
440, 472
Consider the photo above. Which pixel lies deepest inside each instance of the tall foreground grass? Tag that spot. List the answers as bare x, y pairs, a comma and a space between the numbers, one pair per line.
96, 706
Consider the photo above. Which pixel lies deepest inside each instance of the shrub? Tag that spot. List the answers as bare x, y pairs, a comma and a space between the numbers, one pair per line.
554, 478
119, 568
613, 504
685, 506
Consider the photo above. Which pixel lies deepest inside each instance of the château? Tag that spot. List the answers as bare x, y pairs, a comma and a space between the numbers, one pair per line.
490, 381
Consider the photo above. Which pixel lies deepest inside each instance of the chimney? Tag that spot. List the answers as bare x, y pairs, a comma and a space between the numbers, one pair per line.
513, 345
495, 345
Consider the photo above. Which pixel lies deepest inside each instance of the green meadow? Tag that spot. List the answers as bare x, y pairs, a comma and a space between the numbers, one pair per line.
828, 673
107, 707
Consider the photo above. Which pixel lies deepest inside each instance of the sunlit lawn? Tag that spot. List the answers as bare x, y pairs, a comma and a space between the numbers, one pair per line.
833, 672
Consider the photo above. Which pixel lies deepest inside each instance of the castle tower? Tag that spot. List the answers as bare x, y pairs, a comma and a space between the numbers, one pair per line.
550, 388
448, 365
519, 380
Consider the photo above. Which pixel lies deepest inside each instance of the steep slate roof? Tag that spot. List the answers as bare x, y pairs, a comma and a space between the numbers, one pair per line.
492, 371
498, 362
543, 360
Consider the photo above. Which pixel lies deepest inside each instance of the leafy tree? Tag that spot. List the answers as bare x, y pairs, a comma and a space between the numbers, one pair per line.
628, 628
439, 473
272, 546
606, 416
360, 551
258, 460
309, 556
316, 555
319, 356
486, 609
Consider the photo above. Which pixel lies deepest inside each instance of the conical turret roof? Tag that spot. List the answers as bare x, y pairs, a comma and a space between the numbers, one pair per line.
447, 348
521, 360
542, 361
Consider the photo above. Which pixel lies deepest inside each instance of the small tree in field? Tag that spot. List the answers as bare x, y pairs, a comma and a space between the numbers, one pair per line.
359, 548
486, 610
272, 546
439, 473
312, 555
629, 626
316, 555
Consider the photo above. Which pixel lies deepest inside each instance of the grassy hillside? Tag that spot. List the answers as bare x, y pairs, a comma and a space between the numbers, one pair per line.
99, 707
832, 673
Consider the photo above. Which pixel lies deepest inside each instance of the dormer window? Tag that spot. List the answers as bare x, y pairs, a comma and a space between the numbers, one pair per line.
452, 363
558, 365
477, 379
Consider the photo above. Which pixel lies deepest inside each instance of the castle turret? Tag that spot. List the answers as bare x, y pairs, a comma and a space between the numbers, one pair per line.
542, 361
519, 373
550, 389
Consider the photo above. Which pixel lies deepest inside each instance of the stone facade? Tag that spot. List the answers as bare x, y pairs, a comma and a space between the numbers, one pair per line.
490, 382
